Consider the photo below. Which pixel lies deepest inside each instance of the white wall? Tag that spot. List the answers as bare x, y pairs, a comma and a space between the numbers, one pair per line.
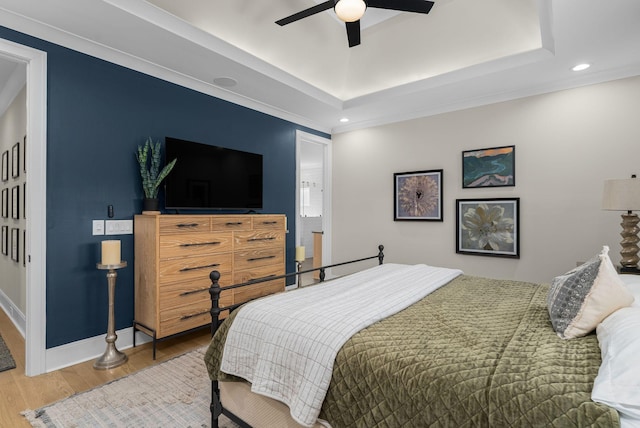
13, 125
567, 144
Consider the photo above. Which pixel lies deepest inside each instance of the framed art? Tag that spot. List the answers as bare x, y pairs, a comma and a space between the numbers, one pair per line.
24, 200
492, 167
24, 154
418, 195
5, 203
15, 202
5, 165
15, 244
5, 240
15, 160
488, 227
24, 247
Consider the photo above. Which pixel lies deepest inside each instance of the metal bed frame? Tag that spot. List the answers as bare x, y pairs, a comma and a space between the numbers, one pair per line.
215, 290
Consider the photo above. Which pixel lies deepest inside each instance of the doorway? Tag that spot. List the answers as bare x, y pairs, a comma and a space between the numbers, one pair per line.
35, 157
313, 197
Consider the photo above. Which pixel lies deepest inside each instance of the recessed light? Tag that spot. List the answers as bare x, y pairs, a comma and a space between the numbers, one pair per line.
344, 120
225, 82
581, 67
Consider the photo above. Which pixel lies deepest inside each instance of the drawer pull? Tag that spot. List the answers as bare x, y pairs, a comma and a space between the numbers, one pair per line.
199, 267
260, 239
186, 317
259, 279
269, 222
230, 223
200, 244
261, 258
188, 293
183, 225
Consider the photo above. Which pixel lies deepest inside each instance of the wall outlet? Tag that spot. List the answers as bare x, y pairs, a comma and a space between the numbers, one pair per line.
119, 227
98, 227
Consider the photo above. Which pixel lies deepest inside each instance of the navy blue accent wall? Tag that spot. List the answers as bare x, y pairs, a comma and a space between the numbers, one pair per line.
98, 113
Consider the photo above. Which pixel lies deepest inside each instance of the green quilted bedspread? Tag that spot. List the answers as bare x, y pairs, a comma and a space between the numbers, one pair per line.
475, 353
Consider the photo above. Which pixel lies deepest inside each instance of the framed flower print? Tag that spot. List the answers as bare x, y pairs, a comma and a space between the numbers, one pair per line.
418, 195
488, 227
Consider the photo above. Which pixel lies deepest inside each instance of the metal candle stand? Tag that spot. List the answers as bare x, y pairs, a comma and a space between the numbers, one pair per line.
112, 357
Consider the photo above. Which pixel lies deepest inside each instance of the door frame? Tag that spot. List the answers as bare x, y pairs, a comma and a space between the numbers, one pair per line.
36, 219
304, 138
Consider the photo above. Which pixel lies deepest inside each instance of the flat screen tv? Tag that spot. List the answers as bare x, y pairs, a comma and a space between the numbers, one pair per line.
210, 177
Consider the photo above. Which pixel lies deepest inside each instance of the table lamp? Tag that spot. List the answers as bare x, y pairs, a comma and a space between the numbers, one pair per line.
624, 195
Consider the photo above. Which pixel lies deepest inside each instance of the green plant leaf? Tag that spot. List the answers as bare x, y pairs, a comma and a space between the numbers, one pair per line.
149, 163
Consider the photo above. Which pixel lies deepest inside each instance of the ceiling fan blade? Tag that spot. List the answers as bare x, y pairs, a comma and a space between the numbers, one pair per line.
419, 6
353, 33
307, 12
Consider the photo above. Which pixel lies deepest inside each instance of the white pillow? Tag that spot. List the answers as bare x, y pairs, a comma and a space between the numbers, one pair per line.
581, 298
632, 282
618, 382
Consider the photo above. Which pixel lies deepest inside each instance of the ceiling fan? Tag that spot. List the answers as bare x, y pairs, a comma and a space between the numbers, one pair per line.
350, 12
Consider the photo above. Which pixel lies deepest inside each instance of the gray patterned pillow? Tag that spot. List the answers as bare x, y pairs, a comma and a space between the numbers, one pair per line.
581, 298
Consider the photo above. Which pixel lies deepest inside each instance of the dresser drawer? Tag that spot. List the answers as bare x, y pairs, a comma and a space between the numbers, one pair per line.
258, 257
223, 223
258, 239
179, 224
187, 244
243, 294
183, 318
187, 268
191, 293
269, 222
261, 289
240, 276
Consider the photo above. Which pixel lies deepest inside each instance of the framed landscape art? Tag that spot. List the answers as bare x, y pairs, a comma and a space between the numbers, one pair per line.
5, 240
5, 165
488, 227
15, 244
15, 202
15, 162
5, 202
492, 167
418, 195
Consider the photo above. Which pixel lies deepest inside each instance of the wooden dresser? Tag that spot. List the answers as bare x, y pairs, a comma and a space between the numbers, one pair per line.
174, 255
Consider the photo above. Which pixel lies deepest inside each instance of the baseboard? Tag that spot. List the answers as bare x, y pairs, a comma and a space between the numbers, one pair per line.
15, 315
88, 349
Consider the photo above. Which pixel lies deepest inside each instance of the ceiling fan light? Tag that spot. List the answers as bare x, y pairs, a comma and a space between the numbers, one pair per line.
350, 10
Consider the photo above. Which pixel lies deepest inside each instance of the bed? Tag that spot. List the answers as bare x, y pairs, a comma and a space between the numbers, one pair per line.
471, 352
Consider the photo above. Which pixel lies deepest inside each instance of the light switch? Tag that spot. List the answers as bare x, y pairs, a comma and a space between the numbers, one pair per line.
98, 227
119, 227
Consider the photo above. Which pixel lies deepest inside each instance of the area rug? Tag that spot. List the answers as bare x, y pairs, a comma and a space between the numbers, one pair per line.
6, 360
175, 393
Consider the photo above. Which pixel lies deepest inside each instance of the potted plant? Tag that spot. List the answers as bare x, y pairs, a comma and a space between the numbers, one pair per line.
148, 157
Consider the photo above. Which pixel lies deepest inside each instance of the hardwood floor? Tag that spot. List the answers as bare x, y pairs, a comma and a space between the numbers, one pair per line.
19, 392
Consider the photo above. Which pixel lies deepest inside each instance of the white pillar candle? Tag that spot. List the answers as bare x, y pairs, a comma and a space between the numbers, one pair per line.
111, 252
300, 256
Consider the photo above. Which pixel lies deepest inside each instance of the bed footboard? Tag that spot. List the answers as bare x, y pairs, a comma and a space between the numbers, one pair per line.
216, 405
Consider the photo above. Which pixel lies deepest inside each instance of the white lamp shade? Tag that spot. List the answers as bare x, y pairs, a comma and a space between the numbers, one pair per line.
350, 10
621, 195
